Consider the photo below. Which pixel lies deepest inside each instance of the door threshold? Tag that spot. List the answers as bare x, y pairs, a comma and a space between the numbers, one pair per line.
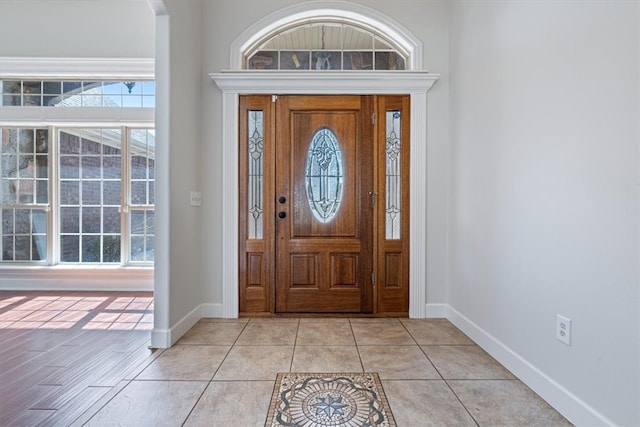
325, 315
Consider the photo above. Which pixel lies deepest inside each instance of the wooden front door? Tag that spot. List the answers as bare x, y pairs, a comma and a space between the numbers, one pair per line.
324, 238
324, 204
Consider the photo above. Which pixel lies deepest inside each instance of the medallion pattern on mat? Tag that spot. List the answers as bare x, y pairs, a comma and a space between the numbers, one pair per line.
329, 400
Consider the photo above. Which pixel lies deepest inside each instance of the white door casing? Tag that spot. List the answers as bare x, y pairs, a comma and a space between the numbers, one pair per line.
414, 83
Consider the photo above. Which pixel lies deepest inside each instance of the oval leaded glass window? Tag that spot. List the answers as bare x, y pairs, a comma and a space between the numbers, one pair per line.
324, 175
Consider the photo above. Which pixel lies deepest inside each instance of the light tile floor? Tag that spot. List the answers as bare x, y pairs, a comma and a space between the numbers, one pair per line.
222, 373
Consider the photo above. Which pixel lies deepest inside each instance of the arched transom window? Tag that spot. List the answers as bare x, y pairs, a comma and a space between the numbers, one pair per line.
325, 45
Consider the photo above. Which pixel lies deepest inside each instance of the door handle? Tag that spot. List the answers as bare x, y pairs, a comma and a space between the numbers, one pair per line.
282, 214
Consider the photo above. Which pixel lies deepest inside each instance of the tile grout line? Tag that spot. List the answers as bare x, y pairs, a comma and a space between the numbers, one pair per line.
233, 344
295, 345
462, 403
445, 380
353, 335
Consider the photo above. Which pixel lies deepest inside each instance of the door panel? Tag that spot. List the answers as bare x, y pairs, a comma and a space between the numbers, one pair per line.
324, 256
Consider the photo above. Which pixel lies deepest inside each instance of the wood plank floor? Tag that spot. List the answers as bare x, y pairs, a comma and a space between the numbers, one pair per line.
61, 352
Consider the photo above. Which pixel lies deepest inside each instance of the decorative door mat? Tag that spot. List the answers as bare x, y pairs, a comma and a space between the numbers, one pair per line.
323, 400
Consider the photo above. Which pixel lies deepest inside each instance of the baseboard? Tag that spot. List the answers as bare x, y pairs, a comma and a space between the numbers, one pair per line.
165, 338
565, 402
186, 323
160, 338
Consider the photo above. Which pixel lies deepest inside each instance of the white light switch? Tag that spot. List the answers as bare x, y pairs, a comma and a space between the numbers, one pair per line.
196, 198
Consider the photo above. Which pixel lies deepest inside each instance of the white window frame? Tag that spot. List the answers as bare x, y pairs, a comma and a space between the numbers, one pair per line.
68, 276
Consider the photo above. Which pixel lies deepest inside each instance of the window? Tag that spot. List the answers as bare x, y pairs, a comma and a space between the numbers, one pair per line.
326, 45
81, 194
78, 93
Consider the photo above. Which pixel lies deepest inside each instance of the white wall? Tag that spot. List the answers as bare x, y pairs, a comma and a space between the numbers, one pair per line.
544, 193
184, 163
77, 28
428, 21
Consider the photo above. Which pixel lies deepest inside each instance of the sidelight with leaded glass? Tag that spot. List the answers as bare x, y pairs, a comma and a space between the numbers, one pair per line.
255, 174
393, 150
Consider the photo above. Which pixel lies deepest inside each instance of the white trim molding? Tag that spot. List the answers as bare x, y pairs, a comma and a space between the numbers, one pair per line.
331, 11
165, 338
65, 68
568, 404
414, 83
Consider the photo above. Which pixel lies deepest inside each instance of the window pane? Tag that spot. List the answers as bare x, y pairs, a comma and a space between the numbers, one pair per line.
24, 235
138, 167
22, 221
111, 249
69, 192
111, 193
137, 222
91, 220
7, 248
393, 176
90, 146
32, 100
149, 222
111, 167
70, 220
69, 143
7, 221
69, 167
324, 175
91, 249
149, 245
137, 248
255, 148
111, 220
95, 214
389, 61
90, 166
91, 192
141, 164
70, 248
138, 193
22, 248
24, 166
142, 235
52, 88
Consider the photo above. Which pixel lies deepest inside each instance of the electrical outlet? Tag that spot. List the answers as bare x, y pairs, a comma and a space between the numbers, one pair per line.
563, 329
196, 198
